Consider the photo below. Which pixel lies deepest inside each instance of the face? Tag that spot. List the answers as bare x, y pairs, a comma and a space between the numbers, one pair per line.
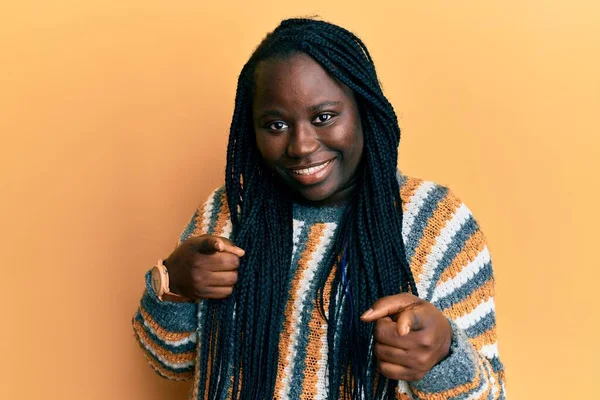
308, 128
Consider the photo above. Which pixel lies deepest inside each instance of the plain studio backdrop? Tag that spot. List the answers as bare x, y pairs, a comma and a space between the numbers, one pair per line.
114, 118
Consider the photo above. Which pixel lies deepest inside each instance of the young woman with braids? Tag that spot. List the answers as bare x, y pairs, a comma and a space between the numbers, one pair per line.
318, 270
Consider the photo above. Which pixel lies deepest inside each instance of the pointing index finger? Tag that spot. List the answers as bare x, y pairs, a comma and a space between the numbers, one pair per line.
231, 248
390, 306
216, 244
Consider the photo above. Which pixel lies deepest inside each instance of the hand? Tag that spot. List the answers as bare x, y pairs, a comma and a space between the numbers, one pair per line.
411, 336
204, 267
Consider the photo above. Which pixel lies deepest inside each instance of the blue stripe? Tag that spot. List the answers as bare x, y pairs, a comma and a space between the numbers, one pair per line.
457, 369
484, 379
460, 294
216, 208
401, 178
300, 247
483, 325
496, 365
299, 364
173, 317
430, 204
168, 368
457, 244
185, 348
189, 229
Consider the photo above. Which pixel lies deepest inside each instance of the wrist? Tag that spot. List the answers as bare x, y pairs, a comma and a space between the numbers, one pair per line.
447, 345
162, 285
172, 272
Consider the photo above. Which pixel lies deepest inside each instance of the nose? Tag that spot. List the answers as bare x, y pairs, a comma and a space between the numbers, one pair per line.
303, 141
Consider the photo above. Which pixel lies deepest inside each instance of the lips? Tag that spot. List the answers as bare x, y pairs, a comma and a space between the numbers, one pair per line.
311, 170
311, 174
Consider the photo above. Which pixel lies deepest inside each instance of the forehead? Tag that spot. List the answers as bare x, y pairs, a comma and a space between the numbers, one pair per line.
297, 80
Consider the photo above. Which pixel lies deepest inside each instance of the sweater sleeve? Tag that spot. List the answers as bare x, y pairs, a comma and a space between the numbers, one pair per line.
453, 270
168, 332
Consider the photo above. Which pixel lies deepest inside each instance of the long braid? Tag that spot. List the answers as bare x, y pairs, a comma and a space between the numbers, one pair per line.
242, 332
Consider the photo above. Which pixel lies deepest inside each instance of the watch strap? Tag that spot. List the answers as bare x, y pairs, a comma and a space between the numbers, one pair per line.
164, 293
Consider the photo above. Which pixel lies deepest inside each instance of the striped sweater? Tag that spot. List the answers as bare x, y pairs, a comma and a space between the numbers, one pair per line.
449, 259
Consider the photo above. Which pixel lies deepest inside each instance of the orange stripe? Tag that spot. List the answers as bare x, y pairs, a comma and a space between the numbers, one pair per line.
317, 331
222, 217
496, 381
408, 190
486, 338
485, 394
473, 246
487, 368
436, 223
499, 379
162, 352
199, 228
230, 390
314, 238
481, 294
179, 376
161, 332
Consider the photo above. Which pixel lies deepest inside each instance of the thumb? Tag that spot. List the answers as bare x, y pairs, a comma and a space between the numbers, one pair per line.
390, 306
408, 320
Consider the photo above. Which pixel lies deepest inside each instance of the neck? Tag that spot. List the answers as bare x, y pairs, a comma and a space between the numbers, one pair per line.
340, 198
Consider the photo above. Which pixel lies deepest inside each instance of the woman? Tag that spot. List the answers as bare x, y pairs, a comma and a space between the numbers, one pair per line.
389, 293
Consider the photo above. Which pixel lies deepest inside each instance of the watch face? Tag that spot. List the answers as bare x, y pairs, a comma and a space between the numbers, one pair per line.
156, 286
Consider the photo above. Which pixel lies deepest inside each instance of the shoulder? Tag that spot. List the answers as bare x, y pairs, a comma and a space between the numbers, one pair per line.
434, 218
429, 201
210, 217
440, 234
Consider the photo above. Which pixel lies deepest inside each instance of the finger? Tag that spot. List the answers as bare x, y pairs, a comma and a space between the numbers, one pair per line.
408, 321
218, 262
226, 278
216, 292
390, 305
390, 354
215, 244
385, 333
400, 372
209, 245
227, 245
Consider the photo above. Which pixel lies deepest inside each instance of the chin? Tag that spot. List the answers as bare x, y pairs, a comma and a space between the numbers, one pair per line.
316, 195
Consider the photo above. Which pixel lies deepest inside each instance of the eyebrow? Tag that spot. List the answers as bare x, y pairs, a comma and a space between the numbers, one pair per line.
316, 108
325, 104
270, 113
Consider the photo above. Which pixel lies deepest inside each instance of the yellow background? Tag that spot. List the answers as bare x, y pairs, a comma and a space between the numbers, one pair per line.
114, 121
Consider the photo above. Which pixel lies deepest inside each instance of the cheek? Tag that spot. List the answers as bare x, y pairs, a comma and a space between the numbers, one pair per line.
269, 147
354, 150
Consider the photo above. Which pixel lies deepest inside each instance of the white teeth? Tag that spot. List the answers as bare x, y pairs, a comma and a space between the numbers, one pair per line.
311, 170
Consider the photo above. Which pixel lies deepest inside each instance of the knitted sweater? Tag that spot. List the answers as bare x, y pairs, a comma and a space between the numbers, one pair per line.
449, 259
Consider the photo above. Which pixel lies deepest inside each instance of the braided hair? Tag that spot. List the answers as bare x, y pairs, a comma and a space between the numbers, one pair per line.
239, 349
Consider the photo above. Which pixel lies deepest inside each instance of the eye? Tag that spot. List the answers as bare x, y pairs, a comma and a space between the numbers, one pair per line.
277, 126
322, 118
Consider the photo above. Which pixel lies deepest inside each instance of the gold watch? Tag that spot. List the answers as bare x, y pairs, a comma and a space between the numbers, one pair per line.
160, 284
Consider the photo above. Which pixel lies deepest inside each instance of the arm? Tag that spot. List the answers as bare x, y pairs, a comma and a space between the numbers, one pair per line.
457, 278
167, 331
442, 344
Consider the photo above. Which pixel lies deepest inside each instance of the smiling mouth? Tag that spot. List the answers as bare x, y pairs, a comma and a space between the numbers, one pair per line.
311, 170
